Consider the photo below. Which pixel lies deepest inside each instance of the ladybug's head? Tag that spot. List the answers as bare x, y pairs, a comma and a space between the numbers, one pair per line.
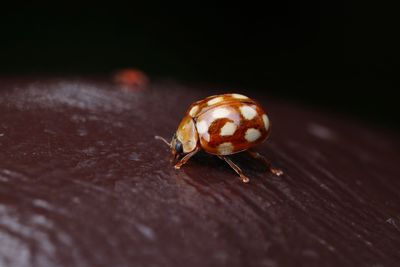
177, 148
184, 140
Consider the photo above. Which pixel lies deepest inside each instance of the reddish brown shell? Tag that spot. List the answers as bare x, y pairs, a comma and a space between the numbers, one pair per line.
229, 123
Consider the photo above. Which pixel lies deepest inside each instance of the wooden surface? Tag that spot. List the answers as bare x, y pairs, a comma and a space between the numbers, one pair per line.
84, 183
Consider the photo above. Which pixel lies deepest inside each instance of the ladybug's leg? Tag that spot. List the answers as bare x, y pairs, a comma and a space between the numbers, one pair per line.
186, 158
260, 157
236, 168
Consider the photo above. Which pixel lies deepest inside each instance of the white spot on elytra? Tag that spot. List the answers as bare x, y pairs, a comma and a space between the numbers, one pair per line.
206, 137
220, 113
202, 127
248, 112
266, 121
193, 111
225, 148
215, 100
239, 96
228, 129
252, 135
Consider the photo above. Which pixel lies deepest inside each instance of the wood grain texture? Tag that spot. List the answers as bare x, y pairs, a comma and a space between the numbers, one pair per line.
84, 183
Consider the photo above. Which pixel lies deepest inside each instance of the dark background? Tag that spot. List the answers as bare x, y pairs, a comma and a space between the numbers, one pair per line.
341, 56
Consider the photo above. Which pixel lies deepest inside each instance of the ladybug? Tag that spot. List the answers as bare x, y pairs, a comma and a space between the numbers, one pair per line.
222, 125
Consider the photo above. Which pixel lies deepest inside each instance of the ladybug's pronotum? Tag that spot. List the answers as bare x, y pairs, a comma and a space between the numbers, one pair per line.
222, 125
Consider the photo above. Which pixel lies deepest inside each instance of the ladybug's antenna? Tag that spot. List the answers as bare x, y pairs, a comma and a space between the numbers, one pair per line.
162, 139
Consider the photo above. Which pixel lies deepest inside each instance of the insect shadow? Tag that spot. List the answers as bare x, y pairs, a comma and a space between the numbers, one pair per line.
212, 170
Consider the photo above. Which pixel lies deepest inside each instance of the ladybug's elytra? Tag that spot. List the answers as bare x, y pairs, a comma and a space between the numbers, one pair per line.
222, 125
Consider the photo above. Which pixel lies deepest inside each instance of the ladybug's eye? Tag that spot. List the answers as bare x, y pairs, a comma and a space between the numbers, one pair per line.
179, 147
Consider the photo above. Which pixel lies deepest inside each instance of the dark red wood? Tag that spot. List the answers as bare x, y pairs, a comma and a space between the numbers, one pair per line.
84, 183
